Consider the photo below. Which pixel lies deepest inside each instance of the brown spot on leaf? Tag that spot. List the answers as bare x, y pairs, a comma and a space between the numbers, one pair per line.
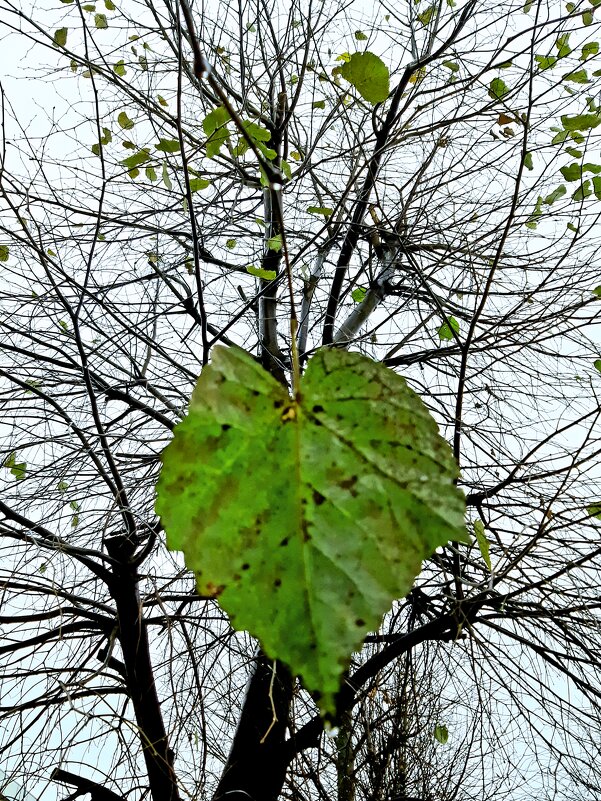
288, 414
318, 498
359, 622
277, 582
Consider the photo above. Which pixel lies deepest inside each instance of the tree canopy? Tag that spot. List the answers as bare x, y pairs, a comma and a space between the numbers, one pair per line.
416, 188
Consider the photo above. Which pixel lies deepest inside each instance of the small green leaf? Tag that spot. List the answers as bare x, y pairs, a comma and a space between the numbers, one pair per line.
230, 244
555, 195
597, 291
256, 132
133, 161
576, 154
571, 172
577, 76
445, 332
594, 510
162, 100
528, 161
360, 36
318, 104
124, 121
214, 126
451, 65
150, 173
590, 49
572, 227
308, 517
100, 21
597, 364
498, 89
168, 146
545, 62
483, 544
285, 168
268, 152
441, 734
583, 191
358, 294
560, 138
368, 74
563, 48
4, 252
580, 122
588, 17
426, 16
597, 187
119, 68
165, 176
62, 487
60, 37
198, 184
259, 272
33, 383
528, 6
95, 149
109, 5
17, 469
275, 242
296, 155
320, 210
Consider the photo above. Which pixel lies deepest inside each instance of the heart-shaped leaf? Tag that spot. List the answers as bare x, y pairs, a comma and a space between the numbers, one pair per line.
308, 517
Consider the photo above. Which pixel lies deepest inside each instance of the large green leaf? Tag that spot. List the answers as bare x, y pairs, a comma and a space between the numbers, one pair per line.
368, 74
308, 518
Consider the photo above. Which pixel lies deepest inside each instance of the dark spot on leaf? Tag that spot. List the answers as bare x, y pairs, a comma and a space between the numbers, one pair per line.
347, 483
237, 577
277, 582
318, 408
313, 647
359, 622
284, 542
245, 566
225, 427
255, 392
278, 404
306, 536
318, 498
